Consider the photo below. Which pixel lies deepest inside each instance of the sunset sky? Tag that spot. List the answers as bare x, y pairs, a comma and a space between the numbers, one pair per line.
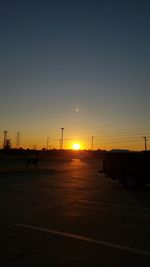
81, 65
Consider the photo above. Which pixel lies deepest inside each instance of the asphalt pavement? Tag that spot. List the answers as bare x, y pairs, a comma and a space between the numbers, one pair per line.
72, 216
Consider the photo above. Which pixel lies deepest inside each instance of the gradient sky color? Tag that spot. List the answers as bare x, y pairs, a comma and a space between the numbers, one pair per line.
60, 56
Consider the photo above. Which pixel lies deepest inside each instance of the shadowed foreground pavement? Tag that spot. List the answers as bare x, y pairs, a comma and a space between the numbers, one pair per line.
72, 217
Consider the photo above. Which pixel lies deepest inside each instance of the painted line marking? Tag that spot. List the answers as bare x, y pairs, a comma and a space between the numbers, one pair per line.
86, 207
113, 204
85, 239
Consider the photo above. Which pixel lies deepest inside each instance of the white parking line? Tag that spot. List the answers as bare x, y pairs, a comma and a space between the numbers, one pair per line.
86, 239
112, 204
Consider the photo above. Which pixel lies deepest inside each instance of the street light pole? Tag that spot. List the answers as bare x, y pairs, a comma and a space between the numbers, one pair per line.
62, 137
48, 143
145, 142
92, 142
5, 138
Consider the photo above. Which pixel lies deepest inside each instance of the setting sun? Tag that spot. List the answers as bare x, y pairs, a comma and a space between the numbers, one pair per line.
76, 146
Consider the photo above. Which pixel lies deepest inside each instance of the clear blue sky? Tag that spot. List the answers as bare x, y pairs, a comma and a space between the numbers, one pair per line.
56, 56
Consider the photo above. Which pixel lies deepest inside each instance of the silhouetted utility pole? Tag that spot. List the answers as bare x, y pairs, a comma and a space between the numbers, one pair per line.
62, 137
48, 143
5, 139
92, 142
60, 144
18, 140
145, 142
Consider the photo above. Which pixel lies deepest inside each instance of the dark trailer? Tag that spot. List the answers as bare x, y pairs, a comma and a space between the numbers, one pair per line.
130, 168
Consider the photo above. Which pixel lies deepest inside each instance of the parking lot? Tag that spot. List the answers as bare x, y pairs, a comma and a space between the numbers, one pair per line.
72, 216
